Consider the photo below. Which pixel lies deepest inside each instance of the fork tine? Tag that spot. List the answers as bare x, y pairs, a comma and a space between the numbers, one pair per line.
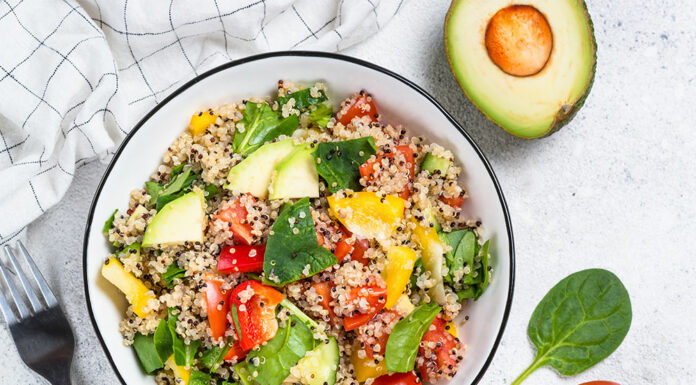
19, 302
43, 286
6, 310
33, 300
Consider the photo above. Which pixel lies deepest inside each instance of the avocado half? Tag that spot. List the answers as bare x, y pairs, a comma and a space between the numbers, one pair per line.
528, 67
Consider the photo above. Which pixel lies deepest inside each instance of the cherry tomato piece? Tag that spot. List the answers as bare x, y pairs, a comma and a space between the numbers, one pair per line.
217, 301
235, 215
357, 106
408, 378
375, 296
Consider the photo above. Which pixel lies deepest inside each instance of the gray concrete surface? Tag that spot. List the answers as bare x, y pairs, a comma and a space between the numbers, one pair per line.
615, 189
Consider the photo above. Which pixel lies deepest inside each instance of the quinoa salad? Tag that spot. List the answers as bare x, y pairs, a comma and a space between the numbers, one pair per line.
285, 240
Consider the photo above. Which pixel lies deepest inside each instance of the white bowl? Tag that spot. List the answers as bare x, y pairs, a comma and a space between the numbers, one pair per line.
398, 100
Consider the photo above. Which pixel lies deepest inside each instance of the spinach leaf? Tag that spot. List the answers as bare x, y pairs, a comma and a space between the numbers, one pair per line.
321, 114
403, 342
173, 272
579, 322
213, 357
418, 269
184, 354
147, 353
109, 224
293, 248
133, 248
235, 320
294, 310
177, 170
199, 378
153, 190
261, 124
303, 98
273, 361
242, 370
212, 190
481, 287
163, 341
340, 162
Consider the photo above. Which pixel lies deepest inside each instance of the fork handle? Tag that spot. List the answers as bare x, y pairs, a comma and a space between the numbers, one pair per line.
58, 375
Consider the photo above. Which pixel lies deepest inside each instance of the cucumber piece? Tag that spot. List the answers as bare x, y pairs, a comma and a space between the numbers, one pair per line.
319, 366
433, 163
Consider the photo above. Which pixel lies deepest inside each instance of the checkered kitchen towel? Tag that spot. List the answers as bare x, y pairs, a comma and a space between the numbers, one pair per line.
76, 75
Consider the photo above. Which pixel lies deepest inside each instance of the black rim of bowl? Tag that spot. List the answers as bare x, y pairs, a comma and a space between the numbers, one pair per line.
328, 55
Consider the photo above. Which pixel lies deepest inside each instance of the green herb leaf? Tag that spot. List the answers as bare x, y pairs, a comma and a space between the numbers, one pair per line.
261, 124
273, 361
213, 357
321, 114
580, 322
418, 269
109, 224
340, 162
173, 272
175, 188
294, 310
403, 342
163, 341
199, 378
147, 353
184, 354
293, 246
177, 170
303, 98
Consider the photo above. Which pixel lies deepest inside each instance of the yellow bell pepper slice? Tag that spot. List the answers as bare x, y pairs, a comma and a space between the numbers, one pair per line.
136, 292
200, 122
432, 257
400, 261
368, 215
452, 329
365, 368
180, 372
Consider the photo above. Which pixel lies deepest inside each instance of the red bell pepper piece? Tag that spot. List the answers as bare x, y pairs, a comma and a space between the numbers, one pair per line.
241, 259
236, 352
255, 312
217, 301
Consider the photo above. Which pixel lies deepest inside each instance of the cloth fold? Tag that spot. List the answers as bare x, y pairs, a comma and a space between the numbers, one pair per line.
76, 75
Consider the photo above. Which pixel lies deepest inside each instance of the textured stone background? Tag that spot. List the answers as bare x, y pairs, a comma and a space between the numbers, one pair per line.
615, 189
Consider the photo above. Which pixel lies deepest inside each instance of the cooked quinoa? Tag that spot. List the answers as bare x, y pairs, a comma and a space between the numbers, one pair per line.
395, 169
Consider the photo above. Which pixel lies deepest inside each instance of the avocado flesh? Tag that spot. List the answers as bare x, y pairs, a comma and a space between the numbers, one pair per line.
181, 220
253, 174
532, 106
296, 176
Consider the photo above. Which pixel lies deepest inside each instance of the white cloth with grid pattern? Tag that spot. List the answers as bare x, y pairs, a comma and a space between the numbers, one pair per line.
75, 76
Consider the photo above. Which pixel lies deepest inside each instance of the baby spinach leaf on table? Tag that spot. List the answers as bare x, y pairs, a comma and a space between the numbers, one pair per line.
173, 272
147, 353
293, 246
261, 124
403, 342
109, 224
199, 378
273, 361
163, 340
184, 354
303, 98
321, 114
579, 322
213, 357
340, 162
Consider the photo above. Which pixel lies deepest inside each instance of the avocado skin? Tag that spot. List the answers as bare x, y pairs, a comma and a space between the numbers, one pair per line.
560, 122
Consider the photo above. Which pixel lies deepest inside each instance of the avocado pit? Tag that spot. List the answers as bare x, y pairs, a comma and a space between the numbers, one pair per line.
519, 40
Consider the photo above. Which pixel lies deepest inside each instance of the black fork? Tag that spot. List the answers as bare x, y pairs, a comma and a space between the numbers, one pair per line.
42, 334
